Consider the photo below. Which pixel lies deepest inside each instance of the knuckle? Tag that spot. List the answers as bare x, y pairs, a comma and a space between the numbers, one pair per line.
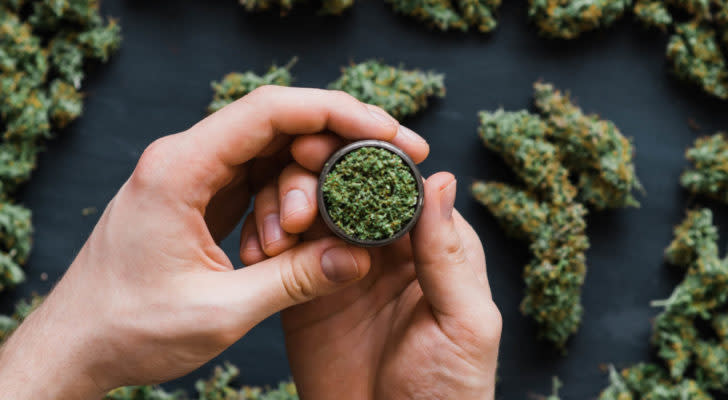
152, 164
264, 91
297, 281
455, 253
340, 95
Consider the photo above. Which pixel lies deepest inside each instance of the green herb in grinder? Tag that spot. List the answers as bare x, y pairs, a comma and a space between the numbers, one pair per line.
370, 193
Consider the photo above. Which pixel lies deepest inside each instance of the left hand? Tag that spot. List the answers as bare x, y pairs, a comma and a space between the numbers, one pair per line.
151, 296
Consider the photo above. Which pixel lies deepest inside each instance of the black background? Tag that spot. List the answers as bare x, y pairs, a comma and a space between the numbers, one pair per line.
159, 84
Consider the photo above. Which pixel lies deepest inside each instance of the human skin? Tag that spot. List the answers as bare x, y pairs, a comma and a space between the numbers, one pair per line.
151, 296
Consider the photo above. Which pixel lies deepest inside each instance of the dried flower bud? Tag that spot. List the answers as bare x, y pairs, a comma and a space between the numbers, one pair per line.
398, 91
695, 238
709, 175
520, 138
653, 13
32, 105
594, 148
236, 85
219, 387
558, 242
144, 393
23, 308
328, 7
675, 337
567, 19
451, 14
696, 56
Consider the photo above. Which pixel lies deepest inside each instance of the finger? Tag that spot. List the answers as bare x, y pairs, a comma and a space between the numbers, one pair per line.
448, 282
473, 249
305, 272
273, 239
311, 151
240, 131
410, 142
297, 196
251, 252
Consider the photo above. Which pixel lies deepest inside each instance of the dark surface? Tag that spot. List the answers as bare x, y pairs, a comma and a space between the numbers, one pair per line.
159, 84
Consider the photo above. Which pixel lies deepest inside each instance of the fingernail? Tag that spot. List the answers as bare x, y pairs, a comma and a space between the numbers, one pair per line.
294, 201
447, 199
272, 231
251, 242
410, 135
381, 116
339, 265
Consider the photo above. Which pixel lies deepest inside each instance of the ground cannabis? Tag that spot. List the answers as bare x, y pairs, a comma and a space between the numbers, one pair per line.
447, 15
696, 359
236, 84
328, 7
370, 193
43, 46
547, 152
567, 19
398, 91
709, 173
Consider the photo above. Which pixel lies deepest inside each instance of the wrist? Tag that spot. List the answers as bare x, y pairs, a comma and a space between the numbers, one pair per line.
45, 360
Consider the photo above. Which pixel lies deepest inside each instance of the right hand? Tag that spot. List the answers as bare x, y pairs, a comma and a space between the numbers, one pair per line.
422, 322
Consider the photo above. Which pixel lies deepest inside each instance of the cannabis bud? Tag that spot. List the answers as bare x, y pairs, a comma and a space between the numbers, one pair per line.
8, 323
370, 193
698, 38
548, 152
220, 386
43, 46
328, 7
696, 56
451, 14
593, 148
649, 381
15, 243
520, 137
398, 91
558, 242
567, 19
143, 393
709, 175
696, 357
236, 84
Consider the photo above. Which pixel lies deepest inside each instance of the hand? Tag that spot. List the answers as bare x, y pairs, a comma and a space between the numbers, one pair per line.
151, 296
420, 325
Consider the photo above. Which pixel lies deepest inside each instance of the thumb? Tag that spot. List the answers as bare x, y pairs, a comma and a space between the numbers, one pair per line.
300, 274
448, 280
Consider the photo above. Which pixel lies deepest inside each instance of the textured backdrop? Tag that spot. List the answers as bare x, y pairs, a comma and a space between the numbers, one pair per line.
159, 84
